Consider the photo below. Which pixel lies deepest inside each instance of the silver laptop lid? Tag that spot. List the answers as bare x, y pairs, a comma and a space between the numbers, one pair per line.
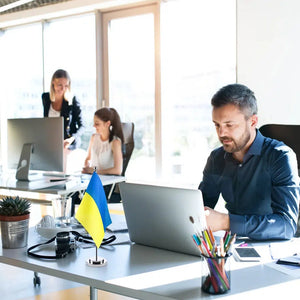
159, 216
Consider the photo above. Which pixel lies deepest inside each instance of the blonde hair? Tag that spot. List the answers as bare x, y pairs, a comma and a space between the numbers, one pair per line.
60, 74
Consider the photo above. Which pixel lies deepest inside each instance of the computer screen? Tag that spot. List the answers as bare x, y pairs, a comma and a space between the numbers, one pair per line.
35, 144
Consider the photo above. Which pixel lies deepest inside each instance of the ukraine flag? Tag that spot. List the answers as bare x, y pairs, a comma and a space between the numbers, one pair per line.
93, 212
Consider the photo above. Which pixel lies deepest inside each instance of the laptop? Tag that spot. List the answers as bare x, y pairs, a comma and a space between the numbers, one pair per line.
159, 216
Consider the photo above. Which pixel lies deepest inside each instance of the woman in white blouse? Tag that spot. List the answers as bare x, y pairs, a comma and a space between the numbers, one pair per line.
105, 148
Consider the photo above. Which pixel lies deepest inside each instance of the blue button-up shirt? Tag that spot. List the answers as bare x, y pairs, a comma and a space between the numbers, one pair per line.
261, 193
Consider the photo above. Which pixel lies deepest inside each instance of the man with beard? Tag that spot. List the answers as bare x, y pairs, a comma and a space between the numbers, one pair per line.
256, 176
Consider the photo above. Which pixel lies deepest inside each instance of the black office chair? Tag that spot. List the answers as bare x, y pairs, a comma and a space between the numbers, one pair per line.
290, 135
128, 146
127, 149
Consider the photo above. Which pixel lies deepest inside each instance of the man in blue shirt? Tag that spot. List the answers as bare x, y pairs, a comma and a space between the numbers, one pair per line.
257, 176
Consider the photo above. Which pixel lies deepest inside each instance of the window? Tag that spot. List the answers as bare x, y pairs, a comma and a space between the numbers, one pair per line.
198, 57
70, 45
21, 72
131, 82
27, 68
174, 131
162, 64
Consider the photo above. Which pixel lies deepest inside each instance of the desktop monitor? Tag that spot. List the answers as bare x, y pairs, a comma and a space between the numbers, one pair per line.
35, 144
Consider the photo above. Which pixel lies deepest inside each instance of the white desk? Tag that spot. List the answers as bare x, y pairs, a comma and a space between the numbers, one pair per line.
149, 273
44, 190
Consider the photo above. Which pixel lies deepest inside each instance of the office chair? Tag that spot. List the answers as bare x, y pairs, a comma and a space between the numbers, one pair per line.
128, 146
290, 135
127, 149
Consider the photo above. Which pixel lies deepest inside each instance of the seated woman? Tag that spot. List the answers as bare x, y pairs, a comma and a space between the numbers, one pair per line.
105, 148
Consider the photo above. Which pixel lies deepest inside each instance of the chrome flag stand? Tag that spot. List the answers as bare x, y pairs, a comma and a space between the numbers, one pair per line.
97, 261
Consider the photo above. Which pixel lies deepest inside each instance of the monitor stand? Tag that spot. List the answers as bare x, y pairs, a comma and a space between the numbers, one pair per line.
24, 164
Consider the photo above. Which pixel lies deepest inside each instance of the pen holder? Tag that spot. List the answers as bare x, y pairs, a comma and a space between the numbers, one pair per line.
215, 274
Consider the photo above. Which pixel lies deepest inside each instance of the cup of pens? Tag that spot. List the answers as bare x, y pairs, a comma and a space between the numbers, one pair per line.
215, 254
215, 274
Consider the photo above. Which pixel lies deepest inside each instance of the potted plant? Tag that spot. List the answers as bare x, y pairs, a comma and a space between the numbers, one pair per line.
14, 219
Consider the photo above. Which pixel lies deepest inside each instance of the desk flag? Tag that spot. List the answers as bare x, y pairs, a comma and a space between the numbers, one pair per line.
93, 212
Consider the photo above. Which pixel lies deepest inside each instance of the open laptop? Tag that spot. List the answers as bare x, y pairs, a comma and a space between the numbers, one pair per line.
159, 216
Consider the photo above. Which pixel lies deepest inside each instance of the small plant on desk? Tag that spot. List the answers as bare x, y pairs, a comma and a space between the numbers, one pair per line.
14, 218
14, 206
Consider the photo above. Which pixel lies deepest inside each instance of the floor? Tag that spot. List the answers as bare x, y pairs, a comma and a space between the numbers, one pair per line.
17, 284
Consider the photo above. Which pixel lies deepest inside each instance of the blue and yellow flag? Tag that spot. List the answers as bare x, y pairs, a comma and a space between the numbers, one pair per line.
93, 212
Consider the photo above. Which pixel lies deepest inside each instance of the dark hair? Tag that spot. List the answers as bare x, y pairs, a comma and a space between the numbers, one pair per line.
110, 114
238, 95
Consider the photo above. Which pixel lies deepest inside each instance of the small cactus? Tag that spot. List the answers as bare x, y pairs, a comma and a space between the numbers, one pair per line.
10, 206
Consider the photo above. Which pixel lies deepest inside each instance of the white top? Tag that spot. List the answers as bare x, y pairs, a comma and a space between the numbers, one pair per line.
53, 113
101, 153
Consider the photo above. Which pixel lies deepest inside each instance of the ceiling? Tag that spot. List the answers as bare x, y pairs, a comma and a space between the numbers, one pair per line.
29, 5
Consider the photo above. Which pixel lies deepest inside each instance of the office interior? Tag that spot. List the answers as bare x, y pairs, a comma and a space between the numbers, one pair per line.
184, 50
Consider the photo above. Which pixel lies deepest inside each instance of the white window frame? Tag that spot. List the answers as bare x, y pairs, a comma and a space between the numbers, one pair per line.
122, 13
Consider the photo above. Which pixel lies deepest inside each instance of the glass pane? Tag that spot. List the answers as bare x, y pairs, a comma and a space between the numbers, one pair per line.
21, 72
70, 45
198, 57
21, 76
131, 86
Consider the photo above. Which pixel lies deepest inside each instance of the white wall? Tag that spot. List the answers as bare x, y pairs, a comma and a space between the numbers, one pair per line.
268, 56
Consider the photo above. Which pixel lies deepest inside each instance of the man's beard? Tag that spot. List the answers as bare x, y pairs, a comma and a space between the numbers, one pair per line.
237, 145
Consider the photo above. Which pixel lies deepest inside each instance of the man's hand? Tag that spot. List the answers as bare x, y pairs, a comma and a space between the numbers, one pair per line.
216, 220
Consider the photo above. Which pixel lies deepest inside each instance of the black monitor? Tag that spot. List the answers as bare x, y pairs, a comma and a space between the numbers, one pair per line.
35, 144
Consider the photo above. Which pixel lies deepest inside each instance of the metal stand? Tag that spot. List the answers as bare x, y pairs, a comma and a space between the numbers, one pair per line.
97, 262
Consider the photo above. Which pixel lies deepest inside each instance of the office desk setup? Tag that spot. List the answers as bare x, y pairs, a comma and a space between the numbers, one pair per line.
143, 272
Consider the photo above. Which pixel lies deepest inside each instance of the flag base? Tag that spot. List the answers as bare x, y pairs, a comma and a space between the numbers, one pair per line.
98, 262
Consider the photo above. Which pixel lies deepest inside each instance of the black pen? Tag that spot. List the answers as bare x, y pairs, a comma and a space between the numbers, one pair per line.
286, 262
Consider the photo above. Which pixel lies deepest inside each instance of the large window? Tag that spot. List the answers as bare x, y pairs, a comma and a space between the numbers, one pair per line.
161, 65
21, 72
27, 68
70, 44
131, 82
198, 57
174, 131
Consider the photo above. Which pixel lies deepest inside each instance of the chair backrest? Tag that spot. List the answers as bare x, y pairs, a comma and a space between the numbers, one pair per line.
128, 146
289, 134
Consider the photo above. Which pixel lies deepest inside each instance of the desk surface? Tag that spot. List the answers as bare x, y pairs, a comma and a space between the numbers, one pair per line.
149, 273
44, 190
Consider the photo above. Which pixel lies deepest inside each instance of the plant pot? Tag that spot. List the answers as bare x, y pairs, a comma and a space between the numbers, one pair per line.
14, 231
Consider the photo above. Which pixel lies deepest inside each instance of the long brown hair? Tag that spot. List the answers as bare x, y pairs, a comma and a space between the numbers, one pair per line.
110, 114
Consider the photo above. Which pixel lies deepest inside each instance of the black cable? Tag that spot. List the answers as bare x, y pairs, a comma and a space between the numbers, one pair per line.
78, 237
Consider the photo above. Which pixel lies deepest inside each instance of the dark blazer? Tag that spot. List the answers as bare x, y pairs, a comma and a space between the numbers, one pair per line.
71, 112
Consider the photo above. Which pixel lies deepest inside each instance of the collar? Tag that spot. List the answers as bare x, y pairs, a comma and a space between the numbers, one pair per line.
255, 148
